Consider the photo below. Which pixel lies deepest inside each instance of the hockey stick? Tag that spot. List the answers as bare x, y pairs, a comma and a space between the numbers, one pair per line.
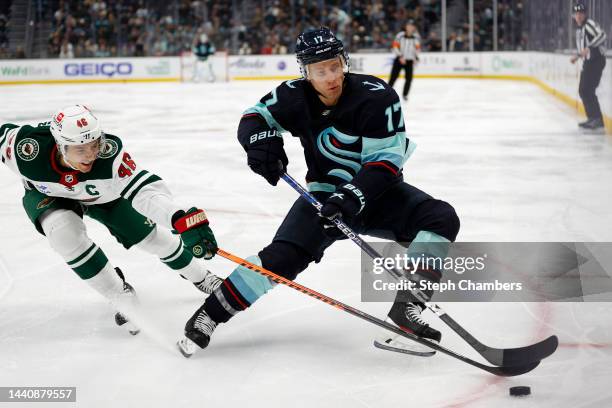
503, 371
501, 357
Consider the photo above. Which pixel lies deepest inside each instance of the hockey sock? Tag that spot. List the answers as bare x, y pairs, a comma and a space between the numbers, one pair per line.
171, 252
239, 291
427, 252
107, 283
67, 235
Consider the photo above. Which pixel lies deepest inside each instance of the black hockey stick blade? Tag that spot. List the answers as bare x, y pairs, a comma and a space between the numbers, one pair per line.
521, 355
511, 371
502, 370
506, 357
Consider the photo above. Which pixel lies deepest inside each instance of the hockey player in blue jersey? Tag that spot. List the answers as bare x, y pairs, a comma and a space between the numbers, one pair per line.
203, 49
353, 134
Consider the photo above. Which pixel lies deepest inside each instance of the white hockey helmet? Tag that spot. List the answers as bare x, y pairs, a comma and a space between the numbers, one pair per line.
75, 125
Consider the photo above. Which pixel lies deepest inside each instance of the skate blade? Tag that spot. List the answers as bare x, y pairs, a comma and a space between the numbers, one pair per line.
133, 330
400, 344
384, 346
187, 347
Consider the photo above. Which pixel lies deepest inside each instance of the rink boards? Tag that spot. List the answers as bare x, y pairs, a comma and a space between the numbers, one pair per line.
552, 72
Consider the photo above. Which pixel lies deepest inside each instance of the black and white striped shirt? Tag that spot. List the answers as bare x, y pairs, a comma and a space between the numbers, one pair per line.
590, 35
407, 47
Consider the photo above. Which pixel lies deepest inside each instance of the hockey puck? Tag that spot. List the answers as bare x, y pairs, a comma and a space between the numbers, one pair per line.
520, 391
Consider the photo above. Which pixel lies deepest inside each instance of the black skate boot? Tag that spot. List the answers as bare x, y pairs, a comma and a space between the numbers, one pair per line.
197, 333
120, 320
407, 316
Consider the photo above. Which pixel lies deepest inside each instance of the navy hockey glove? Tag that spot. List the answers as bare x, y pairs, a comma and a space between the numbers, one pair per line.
346, 202
268, 159
197, 236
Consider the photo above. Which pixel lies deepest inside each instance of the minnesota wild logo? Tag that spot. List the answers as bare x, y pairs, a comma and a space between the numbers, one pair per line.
198, 250
27, 149
108, 149
45, 202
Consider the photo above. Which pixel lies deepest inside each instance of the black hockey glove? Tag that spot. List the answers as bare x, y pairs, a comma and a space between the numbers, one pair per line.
346, 202
268, 159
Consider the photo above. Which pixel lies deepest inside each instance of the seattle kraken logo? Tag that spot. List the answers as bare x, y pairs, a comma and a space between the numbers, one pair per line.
346, 158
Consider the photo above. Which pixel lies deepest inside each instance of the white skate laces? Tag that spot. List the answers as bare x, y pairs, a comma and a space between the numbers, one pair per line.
413, 313
209, 283
205, 324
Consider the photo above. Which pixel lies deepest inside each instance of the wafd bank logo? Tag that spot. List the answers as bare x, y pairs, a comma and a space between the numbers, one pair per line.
108, 69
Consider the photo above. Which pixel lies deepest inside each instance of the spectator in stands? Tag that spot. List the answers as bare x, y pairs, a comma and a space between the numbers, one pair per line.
433, 43
245, 49
3, 36
455, 42
19, 52
139, 27
67, 50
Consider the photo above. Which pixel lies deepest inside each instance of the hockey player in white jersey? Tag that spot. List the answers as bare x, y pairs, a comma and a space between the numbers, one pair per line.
70, 168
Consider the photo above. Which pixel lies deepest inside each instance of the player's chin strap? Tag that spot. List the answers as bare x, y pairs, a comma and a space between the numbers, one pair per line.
516, 356
62, 156
62, 149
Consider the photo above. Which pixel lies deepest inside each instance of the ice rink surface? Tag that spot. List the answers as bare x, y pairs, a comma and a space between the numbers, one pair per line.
505, 154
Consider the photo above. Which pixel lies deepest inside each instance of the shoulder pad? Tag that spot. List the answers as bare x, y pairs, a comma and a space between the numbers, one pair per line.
32, 149
111, 148
33, 143
297, 83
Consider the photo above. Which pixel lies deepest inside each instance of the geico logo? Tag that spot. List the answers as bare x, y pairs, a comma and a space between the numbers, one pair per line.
106, 68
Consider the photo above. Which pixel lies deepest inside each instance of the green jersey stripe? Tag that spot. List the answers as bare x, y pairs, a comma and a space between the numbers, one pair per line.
152, 179
180, 262
133, 181
173, 255
92, 266
83, 255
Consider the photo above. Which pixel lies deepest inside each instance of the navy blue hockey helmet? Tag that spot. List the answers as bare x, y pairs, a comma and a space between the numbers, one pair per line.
316, 45
580, 8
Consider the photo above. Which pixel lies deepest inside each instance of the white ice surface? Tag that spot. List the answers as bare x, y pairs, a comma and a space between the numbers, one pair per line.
505, 154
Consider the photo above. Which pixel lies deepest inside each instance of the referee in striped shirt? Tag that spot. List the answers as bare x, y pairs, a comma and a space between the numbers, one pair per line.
406, 47
589, 39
